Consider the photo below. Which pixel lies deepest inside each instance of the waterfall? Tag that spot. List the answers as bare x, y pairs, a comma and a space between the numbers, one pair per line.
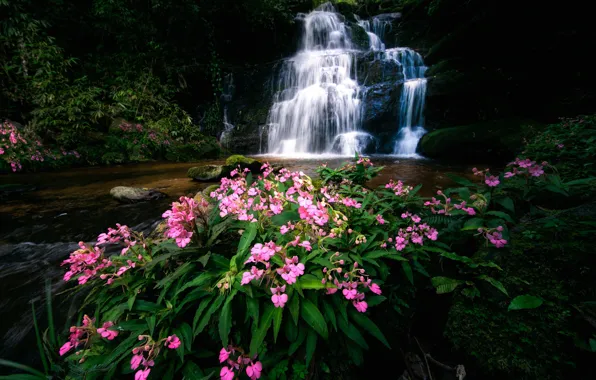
376, 31
413, 95
317, 106
224, 139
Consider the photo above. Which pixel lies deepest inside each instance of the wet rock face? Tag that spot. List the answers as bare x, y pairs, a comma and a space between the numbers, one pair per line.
127, 194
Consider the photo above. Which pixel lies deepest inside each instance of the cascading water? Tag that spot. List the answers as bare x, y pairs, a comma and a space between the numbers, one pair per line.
317, 101
413, 95
376, 31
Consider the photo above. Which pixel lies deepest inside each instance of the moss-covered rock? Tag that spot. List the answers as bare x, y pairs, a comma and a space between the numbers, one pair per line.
208, 173
494, 141
238, 159
208, 190
359, 36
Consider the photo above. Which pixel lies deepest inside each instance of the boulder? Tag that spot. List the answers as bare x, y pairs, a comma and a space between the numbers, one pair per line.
208, 190
244, 162
127, 194
491, 141
359, 36
208, 173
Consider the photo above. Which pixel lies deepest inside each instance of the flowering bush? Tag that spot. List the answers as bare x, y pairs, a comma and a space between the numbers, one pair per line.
278, 266
23, 149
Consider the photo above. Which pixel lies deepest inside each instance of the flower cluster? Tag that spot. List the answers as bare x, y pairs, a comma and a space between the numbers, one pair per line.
415, 233
81, 335
399, 188
489, 180
352, 283
86, 261
236, 360
182, 219
145, 354
526, 167
289, 272
446, 207
493, 236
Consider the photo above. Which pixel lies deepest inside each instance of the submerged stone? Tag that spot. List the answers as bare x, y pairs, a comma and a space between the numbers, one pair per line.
127, 194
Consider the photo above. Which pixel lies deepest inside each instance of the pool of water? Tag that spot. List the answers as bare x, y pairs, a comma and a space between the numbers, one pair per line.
41, 226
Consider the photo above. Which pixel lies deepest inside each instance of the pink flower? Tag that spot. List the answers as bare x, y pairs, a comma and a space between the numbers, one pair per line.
560, 146
375, 288
492, 181
279, 300
350, 294
226, 373
172, 342
65, 348
536, 171
142, 374
306, 245
283, 229
136, 361
380, 219
224, 355
108, 334
361, 306
331, 290
254, 371
415, 218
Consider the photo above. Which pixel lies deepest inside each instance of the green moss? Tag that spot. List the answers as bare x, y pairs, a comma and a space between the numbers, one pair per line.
493, 141
207, 191
238, 159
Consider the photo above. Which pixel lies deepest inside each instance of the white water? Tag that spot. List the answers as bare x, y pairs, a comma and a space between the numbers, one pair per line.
317, 98
376, 32
413, 95
227, 132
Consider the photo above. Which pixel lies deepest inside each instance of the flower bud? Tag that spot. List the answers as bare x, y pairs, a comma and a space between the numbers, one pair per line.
500, 228
338, 270
355, 264
341, 262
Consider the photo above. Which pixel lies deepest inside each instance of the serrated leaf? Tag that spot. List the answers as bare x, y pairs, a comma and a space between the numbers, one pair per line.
374, 300
525, 301
225, 320
261, 332
277, 318
206, 317
202, 306
311, 345
191, 371
497, 284
252, 308
186, 335
181, 270
202, 279
151, 323
445, 284
313, 317
368, 326
298, 342
456, 257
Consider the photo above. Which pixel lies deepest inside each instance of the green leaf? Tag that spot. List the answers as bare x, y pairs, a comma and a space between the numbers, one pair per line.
277, 318
408, 271
246, 240
525, 301
473, 224
181, 270
308, 281
252, 308
202, 279
592, 344
456, 257
353, 333
202, 306
191, 371
298, 342
501, 215
186, 335
445, 284
374, 300
208, 314
311, 315
507, 204
497, 284
311, 345
285, 217
259, 335
23, 376
142, 305
555, 189
225, 320
368, 326
330, 314
294, 307
11, 364
151, 323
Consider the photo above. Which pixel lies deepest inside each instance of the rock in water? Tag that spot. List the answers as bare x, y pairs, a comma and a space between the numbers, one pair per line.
127, 194
244, 162
208, 173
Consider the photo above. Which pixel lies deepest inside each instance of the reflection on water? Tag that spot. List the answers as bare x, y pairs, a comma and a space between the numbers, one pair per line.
39, 228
